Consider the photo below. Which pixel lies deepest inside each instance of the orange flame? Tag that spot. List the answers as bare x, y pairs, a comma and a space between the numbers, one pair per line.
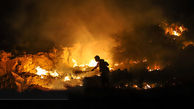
154, 68
187, 43
173, 29
67, 78
92, 63
42, 72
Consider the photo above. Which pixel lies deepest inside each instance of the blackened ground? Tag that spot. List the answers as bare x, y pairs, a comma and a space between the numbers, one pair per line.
161, 97
91, 94
165, 97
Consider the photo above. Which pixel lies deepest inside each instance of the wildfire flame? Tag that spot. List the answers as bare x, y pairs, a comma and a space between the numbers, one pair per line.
92, 63
173, 29
175, 33
54, 74
75, 63
42, 72
67, 78
154, 68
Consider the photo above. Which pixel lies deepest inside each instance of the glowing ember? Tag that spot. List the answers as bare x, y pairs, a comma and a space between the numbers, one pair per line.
136, 87
134, 61
154, 68
126, 85
187, 43
144, 60
147, 86
98, 75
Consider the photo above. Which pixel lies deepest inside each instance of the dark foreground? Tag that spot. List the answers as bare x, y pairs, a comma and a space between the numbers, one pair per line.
159, 97
180, 95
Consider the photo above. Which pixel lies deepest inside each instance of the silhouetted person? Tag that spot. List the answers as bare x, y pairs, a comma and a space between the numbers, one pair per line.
103, 66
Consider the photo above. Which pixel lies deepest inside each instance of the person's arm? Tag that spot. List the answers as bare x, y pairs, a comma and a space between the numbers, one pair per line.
94, 67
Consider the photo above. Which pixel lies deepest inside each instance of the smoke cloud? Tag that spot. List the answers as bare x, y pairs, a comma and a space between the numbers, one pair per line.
120, 30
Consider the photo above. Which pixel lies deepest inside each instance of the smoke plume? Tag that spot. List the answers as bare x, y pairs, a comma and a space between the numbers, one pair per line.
115, 30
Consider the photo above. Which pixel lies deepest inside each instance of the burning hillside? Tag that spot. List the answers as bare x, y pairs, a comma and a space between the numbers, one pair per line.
40, 69
48, 71
60, 69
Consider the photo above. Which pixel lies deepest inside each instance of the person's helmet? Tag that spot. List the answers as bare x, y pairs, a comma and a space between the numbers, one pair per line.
97, 58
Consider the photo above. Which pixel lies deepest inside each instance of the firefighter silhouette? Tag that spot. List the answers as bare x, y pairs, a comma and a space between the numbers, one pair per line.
103, 66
